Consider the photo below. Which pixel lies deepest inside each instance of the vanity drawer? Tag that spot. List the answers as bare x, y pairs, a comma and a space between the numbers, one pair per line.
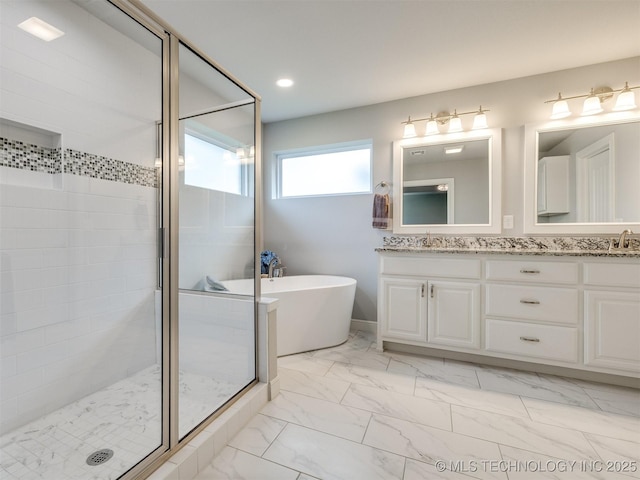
544, 304
612, 274
531, 340
533, 271
432, 267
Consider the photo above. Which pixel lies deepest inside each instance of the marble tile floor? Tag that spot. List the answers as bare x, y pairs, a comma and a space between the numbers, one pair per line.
351, 412
124, 417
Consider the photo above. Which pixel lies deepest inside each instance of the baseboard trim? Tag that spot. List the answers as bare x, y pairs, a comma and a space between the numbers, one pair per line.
364, 326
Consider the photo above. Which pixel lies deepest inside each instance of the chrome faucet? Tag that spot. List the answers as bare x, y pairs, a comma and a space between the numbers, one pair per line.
275, 261
621, 240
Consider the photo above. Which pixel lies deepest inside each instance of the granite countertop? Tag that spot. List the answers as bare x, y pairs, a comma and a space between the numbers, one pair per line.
549, 253
544, 246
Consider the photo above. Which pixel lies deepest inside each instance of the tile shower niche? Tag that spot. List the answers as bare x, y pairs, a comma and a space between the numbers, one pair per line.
30, 156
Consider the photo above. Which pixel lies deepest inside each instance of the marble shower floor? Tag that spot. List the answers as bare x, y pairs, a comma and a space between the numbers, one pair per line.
124, 417
350, 413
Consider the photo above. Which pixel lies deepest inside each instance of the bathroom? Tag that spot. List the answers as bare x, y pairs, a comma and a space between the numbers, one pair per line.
321, 243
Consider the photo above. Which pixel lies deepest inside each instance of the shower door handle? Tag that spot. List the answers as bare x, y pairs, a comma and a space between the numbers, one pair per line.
162, 243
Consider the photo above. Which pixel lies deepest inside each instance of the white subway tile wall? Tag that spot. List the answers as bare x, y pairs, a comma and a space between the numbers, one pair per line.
78, 275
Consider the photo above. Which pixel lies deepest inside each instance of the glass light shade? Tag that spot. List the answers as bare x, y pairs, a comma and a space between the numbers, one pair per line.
479, 121
455, 124
432, 127
591, 105
409, 130
626, 100
560, 110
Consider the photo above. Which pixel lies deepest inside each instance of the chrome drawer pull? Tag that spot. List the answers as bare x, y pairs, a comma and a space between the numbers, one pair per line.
529, 271
530, 339
530, 302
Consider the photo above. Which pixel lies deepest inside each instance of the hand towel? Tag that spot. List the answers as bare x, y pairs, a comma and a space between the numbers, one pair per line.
380, 211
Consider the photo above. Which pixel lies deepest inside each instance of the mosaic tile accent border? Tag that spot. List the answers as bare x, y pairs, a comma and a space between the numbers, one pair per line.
104, 168
548, 244
26, 156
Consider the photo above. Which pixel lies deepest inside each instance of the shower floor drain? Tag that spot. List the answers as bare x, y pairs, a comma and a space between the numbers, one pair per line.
99, 457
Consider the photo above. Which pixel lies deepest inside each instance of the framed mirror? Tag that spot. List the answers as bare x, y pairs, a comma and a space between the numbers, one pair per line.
448, 183
582, 177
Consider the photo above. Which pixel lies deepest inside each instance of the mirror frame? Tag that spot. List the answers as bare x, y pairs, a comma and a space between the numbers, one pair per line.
531, 132
494, 136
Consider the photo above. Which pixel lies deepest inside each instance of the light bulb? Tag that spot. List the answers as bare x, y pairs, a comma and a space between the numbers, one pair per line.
455, 124
626, 100
409, 129
560, 108
591, 105
479, 120
432, 126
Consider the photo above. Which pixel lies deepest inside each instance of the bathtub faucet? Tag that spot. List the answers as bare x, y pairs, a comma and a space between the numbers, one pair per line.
276, 269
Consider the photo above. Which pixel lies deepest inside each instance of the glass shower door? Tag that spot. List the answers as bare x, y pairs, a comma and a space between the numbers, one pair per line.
216, 240
81, 391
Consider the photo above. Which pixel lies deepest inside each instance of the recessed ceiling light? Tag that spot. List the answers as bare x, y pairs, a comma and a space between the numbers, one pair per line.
284, 82
455, 149
40, 29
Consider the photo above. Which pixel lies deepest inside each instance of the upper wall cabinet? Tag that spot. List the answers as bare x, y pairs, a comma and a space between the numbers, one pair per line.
596, 184
448, 183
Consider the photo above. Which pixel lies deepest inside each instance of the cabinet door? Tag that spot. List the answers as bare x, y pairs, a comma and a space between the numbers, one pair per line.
454, 314
612, 329
404, 309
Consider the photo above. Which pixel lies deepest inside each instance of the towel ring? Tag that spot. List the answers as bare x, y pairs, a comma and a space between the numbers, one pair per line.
382, 188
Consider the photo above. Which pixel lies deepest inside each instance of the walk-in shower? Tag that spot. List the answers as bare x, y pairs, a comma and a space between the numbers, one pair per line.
126, 177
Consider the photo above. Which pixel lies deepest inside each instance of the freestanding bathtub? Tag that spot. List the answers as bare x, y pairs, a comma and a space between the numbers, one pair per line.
314, 310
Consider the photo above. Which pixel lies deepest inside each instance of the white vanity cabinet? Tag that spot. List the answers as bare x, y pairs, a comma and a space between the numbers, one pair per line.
429, 300
454, 314
531, 309
404, 305
579, 312
612, 315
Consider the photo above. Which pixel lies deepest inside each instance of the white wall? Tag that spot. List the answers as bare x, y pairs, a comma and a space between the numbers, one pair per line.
333, 235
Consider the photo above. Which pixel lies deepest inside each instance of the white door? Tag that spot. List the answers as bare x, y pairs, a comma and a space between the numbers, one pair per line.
595, 185
612, 329
404, 309
454, 314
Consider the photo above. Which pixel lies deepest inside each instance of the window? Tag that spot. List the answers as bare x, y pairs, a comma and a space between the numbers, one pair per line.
210, 166
329, 170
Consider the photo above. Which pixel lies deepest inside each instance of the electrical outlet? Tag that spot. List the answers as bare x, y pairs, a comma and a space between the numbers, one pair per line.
507, 222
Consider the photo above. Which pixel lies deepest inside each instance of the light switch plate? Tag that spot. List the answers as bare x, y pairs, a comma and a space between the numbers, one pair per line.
507, 222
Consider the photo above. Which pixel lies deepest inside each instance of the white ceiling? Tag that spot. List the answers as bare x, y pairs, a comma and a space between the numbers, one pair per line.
348, 53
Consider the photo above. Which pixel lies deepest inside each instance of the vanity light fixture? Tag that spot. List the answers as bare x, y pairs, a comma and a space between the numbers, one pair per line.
442, 118
626, 99
409, 129
560, 108
41, 29
480, 120
594, 100
592, 105
455, 124
432, 126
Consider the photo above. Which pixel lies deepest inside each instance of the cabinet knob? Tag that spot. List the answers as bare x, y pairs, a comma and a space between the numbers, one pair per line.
530, 339
529, 271
530, 302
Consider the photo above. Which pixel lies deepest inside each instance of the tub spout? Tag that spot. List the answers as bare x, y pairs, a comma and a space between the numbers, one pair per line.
275, 268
